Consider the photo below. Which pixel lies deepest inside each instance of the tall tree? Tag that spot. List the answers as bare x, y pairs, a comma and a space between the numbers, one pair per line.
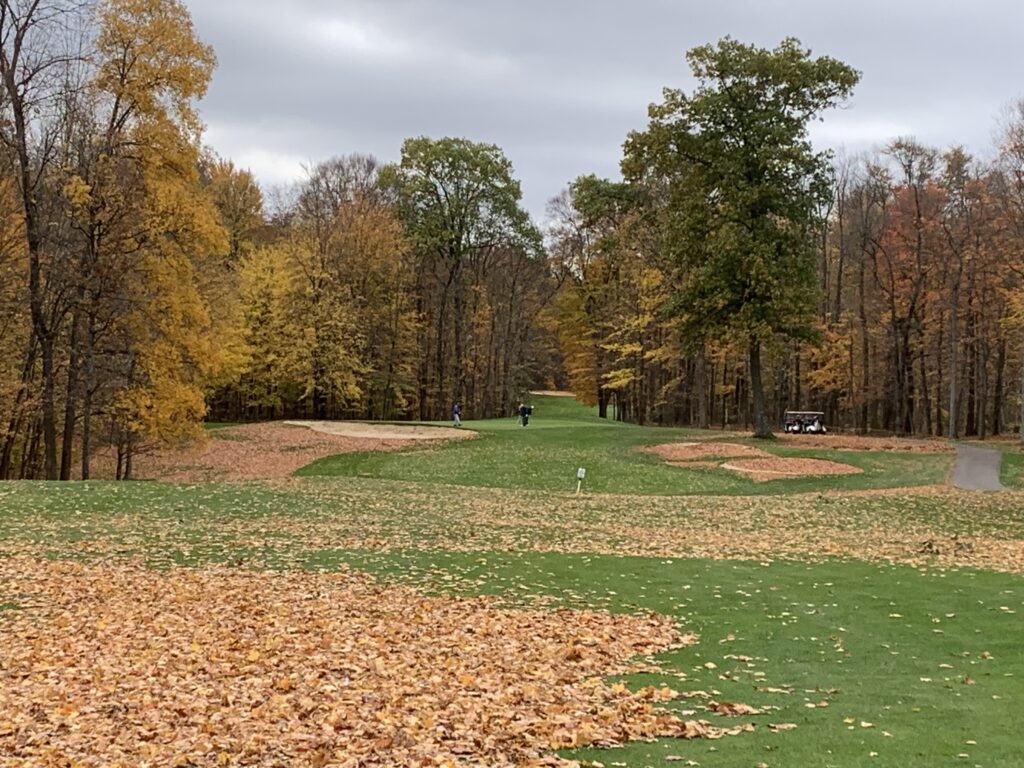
41, 45
745, 187
461, 206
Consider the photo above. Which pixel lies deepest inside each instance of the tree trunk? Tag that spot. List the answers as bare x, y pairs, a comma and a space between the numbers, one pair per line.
49, 410
761, 426
971, 428
129, 456
1020, 394
459, 343
701, 384
982, 373
71, 400
89, 388
954, 368
865, 350
14, 425
926, 403
998, 394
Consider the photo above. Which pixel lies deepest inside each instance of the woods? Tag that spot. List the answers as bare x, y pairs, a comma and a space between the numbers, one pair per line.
734, 271
881, 288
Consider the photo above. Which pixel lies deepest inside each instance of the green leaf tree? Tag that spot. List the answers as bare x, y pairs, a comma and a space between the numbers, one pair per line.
461, 206
744, 184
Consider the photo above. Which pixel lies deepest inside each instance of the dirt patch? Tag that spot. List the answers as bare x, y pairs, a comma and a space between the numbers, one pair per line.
384, 431
120, 665
677, 453
859, 443
778, 468
265, 451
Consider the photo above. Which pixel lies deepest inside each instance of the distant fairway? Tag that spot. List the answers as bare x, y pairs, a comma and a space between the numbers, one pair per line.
564, 435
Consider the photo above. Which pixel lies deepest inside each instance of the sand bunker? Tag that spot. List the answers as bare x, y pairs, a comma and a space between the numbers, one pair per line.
686, 453
384, 431
859, 443
552, 393
778, 468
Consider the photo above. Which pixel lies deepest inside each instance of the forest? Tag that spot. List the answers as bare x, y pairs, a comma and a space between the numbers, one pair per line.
146, 285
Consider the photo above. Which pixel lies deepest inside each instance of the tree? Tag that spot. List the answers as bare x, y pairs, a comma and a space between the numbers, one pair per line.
744, 190
327, 303
460, 205
1011, 182
39, 48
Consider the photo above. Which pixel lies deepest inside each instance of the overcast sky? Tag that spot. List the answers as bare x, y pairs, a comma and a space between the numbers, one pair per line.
559, 83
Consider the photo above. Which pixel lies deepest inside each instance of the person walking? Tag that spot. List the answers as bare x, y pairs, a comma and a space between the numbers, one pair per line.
524, 414
457, 414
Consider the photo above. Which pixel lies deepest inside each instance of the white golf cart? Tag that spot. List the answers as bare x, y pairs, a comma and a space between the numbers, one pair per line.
804, 422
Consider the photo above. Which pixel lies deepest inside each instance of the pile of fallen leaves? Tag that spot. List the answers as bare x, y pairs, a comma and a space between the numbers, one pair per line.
775, 467
119, 665
263, 451
864, 443
685, 453
747, 460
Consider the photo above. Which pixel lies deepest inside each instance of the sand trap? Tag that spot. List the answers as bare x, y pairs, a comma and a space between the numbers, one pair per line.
384, 431
692, 452
777, 468
551, 393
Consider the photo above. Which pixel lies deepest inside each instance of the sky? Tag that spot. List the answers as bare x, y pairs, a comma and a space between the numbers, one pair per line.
558, 84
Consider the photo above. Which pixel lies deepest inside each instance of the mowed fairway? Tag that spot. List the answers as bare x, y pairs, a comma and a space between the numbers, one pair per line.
863, 629
563, 435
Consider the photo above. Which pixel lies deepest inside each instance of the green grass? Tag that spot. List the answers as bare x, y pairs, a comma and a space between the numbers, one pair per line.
870, 640
1012, 473
897, 647
564, 435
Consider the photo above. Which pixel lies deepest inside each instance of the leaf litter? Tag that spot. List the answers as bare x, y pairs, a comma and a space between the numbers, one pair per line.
117, 664
269, 450
288, 522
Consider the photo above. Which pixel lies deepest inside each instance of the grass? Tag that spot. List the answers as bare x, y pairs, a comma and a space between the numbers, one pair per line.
212, 425
894, 647
564, 435
1012, 473
916, 666
898, 647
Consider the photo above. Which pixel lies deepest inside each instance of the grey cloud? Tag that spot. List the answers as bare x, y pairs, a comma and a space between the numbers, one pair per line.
559, 84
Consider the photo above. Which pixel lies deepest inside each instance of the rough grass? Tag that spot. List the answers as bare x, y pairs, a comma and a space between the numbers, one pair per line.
932, 658
275, 524
1012, 473
911, 659
564, 435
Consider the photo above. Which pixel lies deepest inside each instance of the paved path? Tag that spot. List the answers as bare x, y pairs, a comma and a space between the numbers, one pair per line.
977, 469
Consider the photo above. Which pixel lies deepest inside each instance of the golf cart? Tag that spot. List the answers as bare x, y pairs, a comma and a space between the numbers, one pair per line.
809, 422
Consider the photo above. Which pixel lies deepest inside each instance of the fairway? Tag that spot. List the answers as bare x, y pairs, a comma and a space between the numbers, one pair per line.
564, 435
790, 622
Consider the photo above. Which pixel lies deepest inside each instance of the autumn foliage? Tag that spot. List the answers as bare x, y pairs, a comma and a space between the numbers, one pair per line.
215, 667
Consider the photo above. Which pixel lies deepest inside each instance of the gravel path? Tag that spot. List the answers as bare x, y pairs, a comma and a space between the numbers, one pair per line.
977, 469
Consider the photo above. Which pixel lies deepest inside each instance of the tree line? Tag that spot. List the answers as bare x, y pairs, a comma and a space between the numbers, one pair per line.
145, 285
734, 271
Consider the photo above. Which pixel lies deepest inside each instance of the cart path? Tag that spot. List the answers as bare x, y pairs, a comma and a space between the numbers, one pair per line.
977, 469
